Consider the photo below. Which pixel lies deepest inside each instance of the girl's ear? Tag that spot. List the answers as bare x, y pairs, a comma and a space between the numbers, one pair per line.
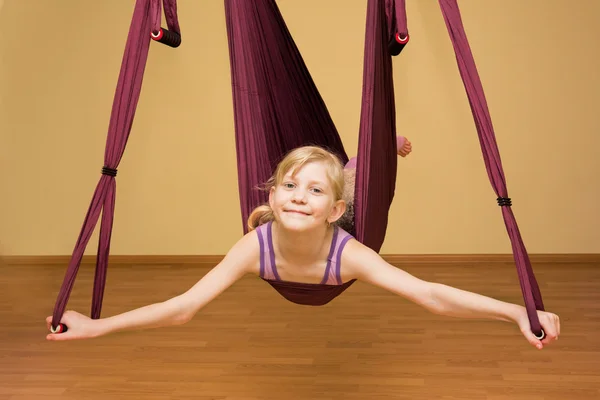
271, 194
339, 208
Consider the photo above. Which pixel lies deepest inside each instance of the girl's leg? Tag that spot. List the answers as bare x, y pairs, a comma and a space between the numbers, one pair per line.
400, 140
346, 222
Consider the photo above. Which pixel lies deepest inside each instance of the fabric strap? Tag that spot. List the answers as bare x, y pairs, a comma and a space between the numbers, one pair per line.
491, 157
146, 18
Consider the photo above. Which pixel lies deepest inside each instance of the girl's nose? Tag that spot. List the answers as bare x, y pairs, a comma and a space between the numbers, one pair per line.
299, 195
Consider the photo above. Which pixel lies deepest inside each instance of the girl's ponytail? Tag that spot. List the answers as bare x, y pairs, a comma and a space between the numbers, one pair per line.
260, 215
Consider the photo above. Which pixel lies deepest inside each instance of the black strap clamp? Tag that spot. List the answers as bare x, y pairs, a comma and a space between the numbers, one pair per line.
109, 171
504, 201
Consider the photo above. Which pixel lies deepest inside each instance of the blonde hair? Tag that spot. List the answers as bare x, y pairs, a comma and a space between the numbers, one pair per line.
295, 160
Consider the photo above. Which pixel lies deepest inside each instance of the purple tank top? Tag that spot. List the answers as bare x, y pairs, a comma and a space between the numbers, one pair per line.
312, 294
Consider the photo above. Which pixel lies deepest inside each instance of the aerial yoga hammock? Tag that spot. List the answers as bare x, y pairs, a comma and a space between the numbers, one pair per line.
277, 108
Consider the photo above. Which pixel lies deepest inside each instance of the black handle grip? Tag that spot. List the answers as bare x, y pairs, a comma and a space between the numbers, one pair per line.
167, 37
396, 45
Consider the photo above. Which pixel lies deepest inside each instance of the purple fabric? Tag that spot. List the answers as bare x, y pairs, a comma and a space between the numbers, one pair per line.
146, 16
396, 18
377, 155
491, 155
278, 108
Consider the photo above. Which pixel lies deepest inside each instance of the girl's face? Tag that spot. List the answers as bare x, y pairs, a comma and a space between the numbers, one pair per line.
305, 201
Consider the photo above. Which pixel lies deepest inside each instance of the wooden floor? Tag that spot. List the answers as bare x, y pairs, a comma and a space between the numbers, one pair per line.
252, 344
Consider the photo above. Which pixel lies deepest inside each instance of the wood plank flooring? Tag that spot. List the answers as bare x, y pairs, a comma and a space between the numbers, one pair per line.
251, 344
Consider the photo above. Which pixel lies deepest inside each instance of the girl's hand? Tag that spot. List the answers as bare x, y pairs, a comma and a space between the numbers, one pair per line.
78, 327
550, 324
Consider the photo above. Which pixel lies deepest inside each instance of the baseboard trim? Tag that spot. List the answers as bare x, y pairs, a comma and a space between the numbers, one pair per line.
395, 259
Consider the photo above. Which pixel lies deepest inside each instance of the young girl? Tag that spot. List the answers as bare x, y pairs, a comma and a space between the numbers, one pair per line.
296, 247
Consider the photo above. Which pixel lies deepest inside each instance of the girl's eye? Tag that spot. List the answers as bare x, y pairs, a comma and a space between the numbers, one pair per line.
288, 185
317, 190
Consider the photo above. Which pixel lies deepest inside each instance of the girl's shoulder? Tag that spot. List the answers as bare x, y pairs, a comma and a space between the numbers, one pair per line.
355, 256
246, 252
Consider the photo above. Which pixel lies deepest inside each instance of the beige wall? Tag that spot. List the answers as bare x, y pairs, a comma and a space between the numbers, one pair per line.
3, 140
177, 183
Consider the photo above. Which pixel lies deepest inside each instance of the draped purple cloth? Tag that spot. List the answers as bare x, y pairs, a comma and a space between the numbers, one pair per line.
146, 18
377, 157
277, 108
396, 18
491, 156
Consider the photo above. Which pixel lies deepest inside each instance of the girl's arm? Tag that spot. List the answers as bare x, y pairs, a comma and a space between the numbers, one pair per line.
363, 263
175, 311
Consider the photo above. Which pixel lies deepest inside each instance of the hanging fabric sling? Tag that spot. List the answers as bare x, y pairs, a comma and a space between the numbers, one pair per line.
145, 25
277, 107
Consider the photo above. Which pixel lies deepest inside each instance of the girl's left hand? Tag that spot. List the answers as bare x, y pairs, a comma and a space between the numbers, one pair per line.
550, 324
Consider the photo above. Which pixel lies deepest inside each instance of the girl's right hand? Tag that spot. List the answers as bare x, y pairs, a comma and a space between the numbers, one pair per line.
549, 322
78, 327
